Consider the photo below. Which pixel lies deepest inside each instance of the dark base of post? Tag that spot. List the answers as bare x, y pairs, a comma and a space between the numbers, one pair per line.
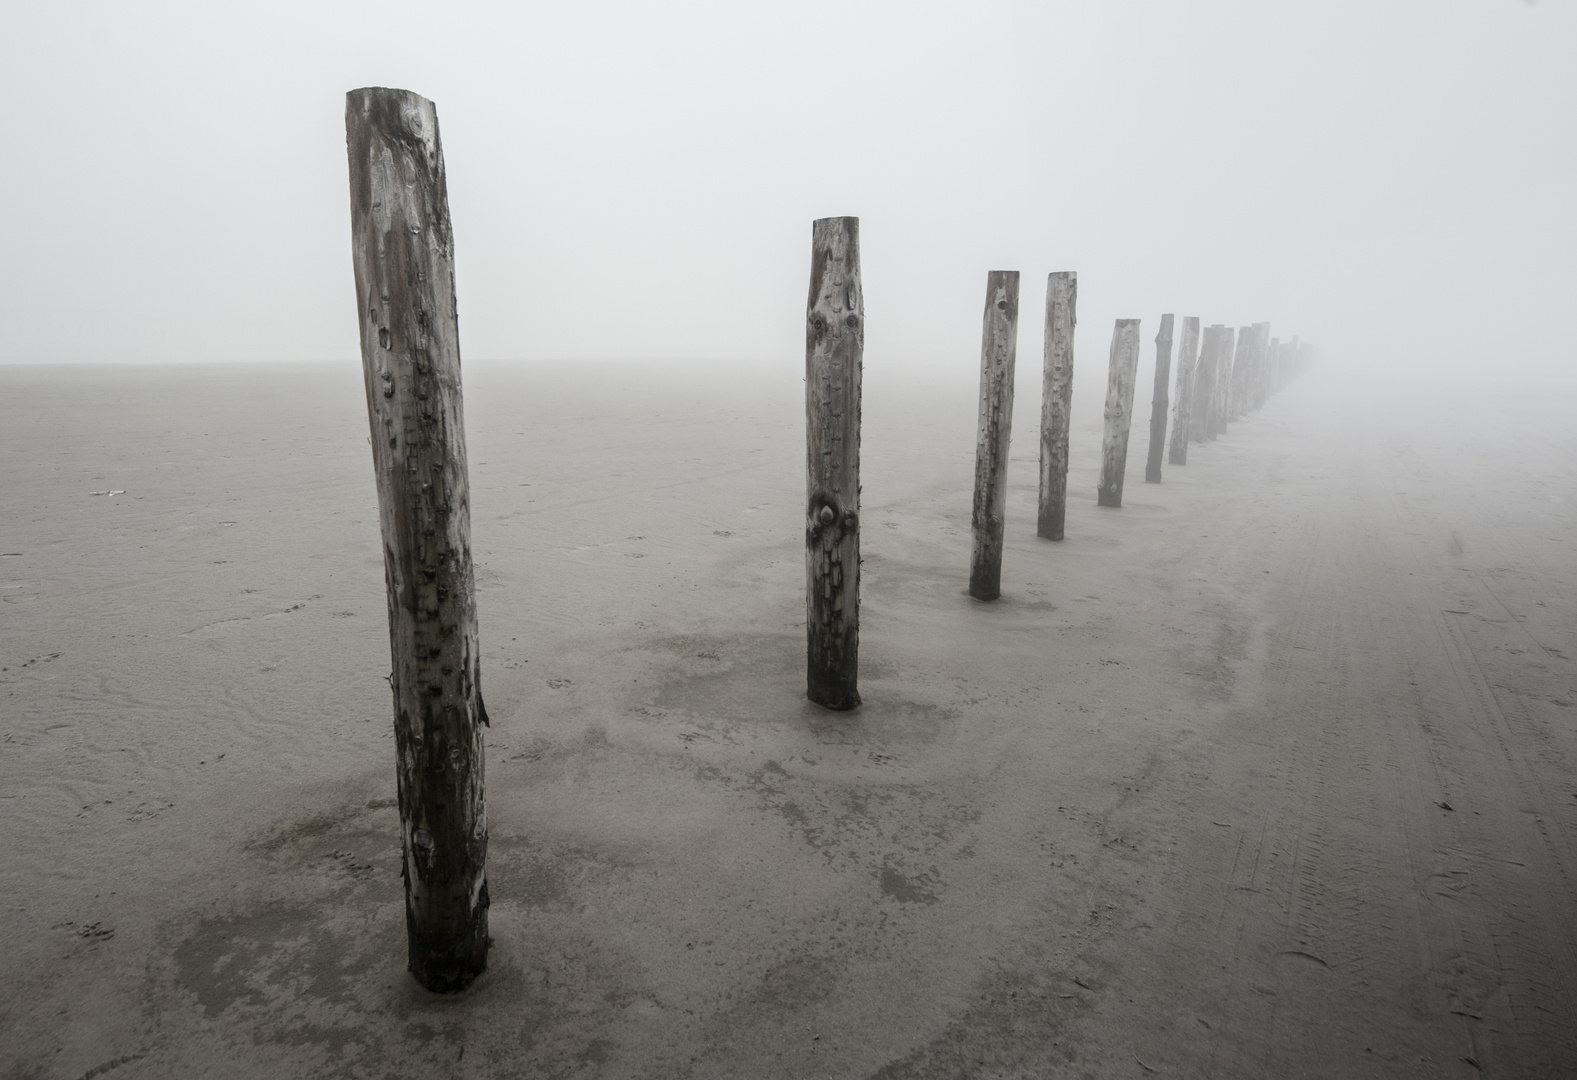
1049, 527
448, 971
831, 692
984, 585
1108, 498
1156, 479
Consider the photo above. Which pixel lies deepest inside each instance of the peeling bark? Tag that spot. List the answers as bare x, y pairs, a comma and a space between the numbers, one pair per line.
1158, 401
998, 349
1062, 302
1182, 411
834, 351
403, 249
1123, 366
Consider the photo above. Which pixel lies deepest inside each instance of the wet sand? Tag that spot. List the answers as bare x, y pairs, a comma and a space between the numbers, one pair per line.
1270, 772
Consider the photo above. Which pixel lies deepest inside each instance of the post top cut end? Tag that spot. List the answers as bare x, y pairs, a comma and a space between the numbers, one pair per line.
401, 115
385, 93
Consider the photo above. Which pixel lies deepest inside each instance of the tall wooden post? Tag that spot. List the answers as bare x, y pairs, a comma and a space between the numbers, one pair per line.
1062, 304
1121, 370
1187, 362
834, 352
403, 249
1158, 401
998, 349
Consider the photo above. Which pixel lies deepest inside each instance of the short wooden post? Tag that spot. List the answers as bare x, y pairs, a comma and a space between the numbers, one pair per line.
1158, 401
834, 353
1187, 363
998, 350
1204, 404
1224, 365
1260, 346
1267, 367
403, 250
1062, 310
1121, 370
1232, 390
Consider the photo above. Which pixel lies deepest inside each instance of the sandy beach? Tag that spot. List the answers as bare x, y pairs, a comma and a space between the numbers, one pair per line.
1270, 772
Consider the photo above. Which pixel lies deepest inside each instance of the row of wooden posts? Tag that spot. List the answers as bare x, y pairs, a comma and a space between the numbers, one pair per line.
1214, 385
402, 248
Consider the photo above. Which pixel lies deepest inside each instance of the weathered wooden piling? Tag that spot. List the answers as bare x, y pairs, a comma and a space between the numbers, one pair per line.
1248, 395
1232, 386
1062, 303
1224, 363
1264, 377
402, 246
1122, 368
1294, 361
834, 352
1158, 401
1203, 425
1182, 411
998, 351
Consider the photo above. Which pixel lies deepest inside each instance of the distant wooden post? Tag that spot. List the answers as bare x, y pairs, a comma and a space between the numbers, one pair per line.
1121, 370
1231, 391
998, 349
1062, 303
834, 352
403, 250
1158, 401
1187, 362
1224, 367
1270, 354
1202, 409
1257, 350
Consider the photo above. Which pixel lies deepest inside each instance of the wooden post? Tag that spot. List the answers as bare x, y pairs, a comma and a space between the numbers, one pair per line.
1062, 310
1224, 364
1122, 368
403, 249
1158, 401
1182, 412
1229, 390
998, 349
1267, 368
834, 352
1204, 405
1248, 396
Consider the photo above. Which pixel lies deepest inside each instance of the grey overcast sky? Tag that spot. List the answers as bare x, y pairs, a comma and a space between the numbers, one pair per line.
1395, 180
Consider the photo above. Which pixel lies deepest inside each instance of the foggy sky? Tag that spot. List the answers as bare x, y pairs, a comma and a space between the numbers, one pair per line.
1394, 180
